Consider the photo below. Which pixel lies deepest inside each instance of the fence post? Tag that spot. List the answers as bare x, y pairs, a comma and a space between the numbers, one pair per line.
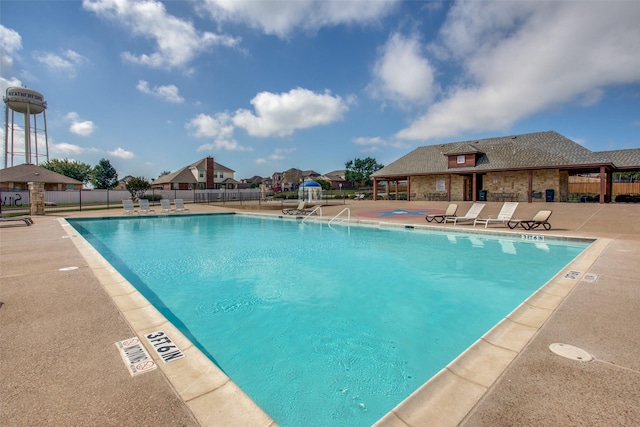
81, 200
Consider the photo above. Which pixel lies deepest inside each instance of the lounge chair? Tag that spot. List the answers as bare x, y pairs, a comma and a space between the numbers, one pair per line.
165, 205
539, 219
180, 206
300, 210
26, 219
504, 216
127, 205
451, 211
471, 215
144, 206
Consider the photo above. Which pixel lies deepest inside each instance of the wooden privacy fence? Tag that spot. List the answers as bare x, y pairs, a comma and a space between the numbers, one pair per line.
593, 187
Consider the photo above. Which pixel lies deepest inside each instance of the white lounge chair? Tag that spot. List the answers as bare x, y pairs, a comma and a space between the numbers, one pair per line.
541, 219
180, 205
144, 206
165, 205
26, 219
299, 210
127, 205
471, 215
504, 216
451, 211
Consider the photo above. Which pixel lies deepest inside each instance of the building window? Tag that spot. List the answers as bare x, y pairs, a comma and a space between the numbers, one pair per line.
201, 174
460, 160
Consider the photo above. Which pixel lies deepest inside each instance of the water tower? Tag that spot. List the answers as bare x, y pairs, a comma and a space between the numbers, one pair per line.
29, 103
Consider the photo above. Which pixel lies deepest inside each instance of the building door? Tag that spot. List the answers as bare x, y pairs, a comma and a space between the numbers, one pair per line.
467, 188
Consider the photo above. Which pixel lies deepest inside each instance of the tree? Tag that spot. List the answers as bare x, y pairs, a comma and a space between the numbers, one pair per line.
326, 185
137, 187
359, 171
163, 173
104, 176
71, 168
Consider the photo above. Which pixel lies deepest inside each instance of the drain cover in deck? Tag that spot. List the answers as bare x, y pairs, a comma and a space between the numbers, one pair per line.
570, 352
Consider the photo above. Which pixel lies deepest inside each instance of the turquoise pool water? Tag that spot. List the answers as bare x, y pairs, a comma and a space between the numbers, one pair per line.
324, 326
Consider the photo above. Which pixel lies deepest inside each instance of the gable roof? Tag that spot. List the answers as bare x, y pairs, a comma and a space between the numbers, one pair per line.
255, 179
185, 176
336, 174
538, 150
34, 173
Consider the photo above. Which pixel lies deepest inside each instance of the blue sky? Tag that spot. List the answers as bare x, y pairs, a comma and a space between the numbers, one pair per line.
264, 86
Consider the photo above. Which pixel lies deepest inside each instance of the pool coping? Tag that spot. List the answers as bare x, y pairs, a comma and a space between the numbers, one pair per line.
445, 399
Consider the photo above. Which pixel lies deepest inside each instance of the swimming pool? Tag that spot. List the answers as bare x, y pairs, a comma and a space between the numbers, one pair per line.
345, 322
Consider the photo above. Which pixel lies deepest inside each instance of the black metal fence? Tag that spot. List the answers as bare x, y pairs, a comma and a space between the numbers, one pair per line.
17, 202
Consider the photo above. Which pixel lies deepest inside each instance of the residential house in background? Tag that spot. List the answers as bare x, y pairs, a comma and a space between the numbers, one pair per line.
291, 179
203, 174
122, 183
337, 179
253, 181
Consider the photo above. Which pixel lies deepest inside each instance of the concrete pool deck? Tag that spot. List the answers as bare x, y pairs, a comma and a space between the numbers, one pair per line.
59, 364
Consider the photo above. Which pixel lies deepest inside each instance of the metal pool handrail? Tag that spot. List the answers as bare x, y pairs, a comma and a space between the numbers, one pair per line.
317, 208
340, 213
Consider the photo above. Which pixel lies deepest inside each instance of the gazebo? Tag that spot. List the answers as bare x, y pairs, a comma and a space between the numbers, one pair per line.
310, 191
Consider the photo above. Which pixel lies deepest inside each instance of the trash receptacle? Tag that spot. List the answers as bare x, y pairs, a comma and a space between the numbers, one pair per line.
482, 195
549, 195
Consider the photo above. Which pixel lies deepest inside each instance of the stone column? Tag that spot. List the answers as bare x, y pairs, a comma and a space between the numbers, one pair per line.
36, 197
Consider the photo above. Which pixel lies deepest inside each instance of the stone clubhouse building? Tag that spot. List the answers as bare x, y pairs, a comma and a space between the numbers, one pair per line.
533, 167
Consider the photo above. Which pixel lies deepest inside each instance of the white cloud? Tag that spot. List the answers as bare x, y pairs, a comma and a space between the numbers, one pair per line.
278, 154
10, 43
223, 144
177, 41
65, 63
217, 127
522, 58
280, 18
284, 113
121, 153
205, 126
83, 128
13, 82
402, 73
168, 93
369, 141
65, 149
372, 144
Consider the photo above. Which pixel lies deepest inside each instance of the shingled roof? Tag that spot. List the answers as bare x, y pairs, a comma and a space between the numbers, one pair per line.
186, 176
538, 150
624, 159
34, 173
